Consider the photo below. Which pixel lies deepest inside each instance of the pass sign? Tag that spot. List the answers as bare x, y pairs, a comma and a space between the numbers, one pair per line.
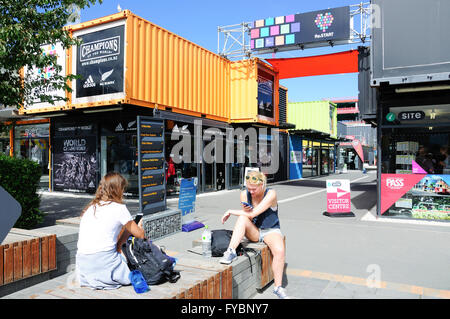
338, 197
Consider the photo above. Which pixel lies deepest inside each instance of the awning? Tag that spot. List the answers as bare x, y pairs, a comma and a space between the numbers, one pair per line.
334, 63
313, 134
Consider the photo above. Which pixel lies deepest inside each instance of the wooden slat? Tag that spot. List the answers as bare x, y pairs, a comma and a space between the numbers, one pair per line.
196, 291
229, 282
52, 252
35, 257
18, 265
210, 294
217, 286
204, 289
44, 254
26, 252
1, 264
8, 264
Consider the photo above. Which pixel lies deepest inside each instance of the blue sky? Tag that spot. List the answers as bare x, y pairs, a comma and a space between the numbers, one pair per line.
197, 21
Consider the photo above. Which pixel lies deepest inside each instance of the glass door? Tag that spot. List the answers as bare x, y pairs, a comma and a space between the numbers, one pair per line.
118, 153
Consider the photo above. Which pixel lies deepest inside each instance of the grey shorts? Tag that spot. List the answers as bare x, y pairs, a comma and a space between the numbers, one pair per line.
264, 232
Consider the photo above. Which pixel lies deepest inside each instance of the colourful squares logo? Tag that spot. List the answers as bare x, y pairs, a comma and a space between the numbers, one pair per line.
279, 40
259, 23
279, 20
269, 21
252, 44
264, 32
275, 30
259, 43
254, 34
269, 42
290, 39
295, 27
285, 29
324, 21
290, 18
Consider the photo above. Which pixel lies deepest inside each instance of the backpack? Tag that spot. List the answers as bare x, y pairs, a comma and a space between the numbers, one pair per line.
220, 239
150, 260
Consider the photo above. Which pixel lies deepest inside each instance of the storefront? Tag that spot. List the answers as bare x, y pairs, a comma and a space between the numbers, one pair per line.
318, 158
414, 154
31, 141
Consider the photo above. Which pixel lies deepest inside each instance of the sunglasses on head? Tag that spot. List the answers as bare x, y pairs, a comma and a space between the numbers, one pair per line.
253, 179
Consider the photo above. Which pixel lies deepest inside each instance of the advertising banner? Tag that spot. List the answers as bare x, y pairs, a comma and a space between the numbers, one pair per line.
358, 148
48, 73
338, 197
99, 62
75, 163
302, 28
415, 195
265, 95
186, 201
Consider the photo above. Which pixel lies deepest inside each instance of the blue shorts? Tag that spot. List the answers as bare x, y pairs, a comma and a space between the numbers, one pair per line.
264, 232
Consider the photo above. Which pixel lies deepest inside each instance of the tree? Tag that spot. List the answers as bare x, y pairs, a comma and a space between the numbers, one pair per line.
25, 26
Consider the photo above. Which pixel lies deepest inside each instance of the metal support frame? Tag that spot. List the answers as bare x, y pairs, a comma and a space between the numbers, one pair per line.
233, 41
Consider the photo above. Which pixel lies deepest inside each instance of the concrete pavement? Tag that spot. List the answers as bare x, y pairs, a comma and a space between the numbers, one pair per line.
350, 257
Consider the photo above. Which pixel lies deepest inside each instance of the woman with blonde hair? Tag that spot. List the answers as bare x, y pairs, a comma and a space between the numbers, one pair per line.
258, 221
99, 262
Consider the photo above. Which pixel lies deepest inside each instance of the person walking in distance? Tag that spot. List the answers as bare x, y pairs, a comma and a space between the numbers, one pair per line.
105, 224
258, 221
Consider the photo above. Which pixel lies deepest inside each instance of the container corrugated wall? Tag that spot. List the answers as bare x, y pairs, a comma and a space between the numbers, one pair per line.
167, 70
312, 115
244, 91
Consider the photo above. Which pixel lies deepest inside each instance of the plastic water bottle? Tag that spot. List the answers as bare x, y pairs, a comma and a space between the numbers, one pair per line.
206, 242
138, 282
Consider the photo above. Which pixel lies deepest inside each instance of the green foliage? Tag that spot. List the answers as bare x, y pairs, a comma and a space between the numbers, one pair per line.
20, 178
25, 26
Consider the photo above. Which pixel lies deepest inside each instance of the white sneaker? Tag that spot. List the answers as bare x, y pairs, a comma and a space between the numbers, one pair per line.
228, 256
280, 292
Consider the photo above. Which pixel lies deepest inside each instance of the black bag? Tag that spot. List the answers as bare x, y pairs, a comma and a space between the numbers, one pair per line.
220, 239
150, 260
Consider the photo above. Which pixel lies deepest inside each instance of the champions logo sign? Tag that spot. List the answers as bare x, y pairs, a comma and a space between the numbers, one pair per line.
100, 49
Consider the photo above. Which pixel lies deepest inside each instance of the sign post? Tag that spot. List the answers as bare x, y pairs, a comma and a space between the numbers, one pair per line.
338, 198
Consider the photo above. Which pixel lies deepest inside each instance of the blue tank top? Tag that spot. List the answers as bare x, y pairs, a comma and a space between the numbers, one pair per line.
268, 218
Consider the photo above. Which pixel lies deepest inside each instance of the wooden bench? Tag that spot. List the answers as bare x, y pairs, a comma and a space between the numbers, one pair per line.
25, 254
199, 279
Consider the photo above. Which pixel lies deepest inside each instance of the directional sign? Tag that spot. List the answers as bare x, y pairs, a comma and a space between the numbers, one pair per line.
9, 213
338, 198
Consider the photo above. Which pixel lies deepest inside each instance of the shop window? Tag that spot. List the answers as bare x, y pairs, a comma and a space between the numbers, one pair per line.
415, 163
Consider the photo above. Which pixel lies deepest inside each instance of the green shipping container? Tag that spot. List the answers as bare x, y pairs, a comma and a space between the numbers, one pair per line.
319, 115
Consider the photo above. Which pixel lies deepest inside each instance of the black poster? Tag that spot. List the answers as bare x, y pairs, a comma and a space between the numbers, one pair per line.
100, 62
75, 163
325, 25
265, 95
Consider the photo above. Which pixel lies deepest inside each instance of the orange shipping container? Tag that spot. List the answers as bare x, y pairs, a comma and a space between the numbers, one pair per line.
159, 68
244, 77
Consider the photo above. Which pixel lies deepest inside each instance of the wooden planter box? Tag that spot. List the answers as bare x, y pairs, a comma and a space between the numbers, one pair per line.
23, 259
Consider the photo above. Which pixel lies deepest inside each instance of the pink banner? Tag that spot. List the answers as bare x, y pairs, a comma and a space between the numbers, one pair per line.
394, 186
338, 196
358, 148
417, 169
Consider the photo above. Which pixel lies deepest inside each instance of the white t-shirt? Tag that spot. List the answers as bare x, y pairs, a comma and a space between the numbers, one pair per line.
100, 232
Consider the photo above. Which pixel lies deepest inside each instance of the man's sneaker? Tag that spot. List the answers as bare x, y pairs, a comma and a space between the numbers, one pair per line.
279, 291
228, 256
